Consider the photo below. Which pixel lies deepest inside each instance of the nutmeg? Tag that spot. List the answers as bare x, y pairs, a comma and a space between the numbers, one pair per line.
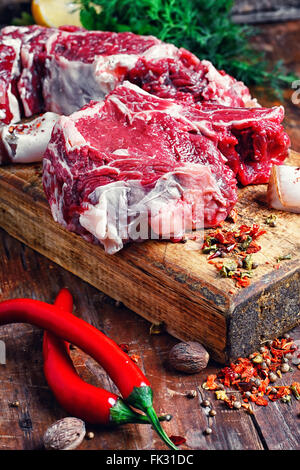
189, 357
65, 434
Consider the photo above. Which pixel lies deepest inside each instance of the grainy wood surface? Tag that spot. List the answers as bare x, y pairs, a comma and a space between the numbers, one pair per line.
23, 272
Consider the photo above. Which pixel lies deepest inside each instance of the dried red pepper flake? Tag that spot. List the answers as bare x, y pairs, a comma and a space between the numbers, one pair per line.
261, 401
135, 357
242, 282
253, 248
237, 243
210, 383
233, 216
178, 440
249, 376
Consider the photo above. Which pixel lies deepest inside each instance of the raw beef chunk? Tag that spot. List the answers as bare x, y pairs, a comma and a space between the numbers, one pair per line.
116, 167
63, 69
32, 60
251, 139
9, 74
84, 66
186, 78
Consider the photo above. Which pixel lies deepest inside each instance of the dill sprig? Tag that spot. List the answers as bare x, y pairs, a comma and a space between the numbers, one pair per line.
202, 26
24, 20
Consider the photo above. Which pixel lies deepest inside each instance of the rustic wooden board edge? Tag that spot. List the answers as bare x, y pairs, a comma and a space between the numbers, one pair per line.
271, 312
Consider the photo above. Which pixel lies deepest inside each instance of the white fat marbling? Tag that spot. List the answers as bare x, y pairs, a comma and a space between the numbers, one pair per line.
26, 143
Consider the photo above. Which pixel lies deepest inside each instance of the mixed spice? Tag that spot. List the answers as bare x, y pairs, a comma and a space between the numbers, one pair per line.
238, 244
255, 376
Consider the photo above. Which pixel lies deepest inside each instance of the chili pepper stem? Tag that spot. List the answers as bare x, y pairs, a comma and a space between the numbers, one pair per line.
156, 425
121, 413
141, 398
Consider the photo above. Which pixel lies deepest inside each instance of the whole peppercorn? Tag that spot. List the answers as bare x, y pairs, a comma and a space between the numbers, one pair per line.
254, 265
284, 367
191, 394
257, 382
257, 359
168, 417
212, 413
208, 431
15, 404
237, 405
205, 403
272, 377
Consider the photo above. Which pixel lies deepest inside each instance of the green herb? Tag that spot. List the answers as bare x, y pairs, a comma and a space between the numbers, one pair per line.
157, 328
202, 26
271, 220
284, 257
286, 399
228, 269
247, 262
24, 20
246, 243
209, 249
295, 391
246, 274
258, 359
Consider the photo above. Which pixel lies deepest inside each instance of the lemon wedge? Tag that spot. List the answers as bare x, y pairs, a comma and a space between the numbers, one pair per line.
55, 13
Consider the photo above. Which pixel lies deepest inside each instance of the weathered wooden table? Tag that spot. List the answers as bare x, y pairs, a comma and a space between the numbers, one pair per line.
24, 273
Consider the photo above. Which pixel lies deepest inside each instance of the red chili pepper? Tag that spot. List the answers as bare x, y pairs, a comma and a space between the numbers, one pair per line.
92, 404
130, 380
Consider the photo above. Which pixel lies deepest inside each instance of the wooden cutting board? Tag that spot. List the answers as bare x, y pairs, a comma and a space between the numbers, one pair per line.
172, 283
